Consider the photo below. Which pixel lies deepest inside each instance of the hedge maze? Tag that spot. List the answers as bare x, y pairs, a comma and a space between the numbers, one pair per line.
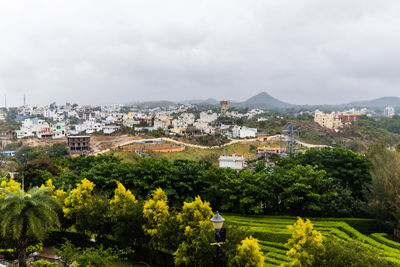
272, 233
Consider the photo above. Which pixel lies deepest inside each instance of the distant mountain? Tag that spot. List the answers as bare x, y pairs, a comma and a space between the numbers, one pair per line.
154, 104
263, 100
377, 103
209, 101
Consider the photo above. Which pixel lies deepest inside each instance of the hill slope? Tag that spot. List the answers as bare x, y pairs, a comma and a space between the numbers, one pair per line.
264, 100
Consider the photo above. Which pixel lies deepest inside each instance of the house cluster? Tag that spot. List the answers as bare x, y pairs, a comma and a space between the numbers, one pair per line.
206, 122
336, 120
54, 121
57, 121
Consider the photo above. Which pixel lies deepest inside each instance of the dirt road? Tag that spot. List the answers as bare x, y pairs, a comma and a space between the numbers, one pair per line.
166, 139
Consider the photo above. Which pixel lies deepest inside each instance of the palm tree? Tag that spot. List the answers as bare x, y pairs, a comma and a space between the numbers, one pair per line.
32, 212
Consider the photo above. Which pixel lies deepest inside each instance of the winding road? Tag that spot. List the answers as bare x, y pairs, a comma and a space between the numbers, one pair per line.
167, 139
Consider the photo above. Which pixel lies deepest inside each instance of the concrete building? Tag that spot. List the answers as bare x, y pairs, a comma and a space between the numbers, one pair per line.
346, 117
208, 117
235, 161
78, 143
109, 129
160, 124
389, 112
328, 120
243, 132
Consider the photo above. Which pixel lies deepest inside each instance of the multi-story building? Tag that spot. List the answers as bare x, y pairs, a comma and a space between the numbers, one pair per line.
328, 120
243, 132
346, 117
389, 112
208, 117
79, 143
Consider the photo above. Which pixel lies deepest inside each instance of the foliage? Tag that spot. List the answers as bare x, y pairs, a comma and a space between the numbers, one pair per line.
305, 244
43, 263
90, 211
22, 212
98, 257
248, 254
348, 169
384, 202
303, 189
250, 192
156, 215
197, 231
37, 172
68, 253
126, 217
352, 253
9, 185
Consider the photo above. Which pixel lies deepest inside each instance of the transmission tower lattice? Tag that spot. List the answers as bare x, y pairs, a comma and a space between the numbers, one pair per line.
289, 137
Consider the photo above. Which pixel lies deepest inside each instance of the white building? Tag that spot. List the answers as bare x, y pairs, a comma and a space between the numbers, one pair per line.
208, 117
160, 124
235, 161
389, 112
89, 127
243, 132
204, 127
110, 129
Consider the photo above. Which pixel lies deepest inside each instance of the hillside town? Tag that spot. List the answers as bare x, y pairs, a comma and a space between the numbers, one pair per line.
59, 121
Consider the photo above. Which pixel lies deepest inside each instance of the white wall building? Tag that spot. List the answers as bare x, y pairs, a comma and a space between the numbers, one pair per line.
110, 129
243, 132
389, 112
235, 161
208, 117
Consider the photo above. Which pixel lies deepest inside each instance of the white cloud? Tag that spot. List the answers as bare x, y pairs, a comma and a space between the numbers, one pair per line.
305, 51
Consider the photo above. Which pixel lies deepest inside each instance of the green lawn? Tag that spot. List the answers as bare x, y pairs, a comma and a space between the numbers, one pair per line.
272, 233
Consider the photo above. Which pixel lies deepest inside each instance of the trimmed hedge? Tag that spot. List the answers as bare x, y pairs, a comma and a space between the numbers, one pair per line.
273, 233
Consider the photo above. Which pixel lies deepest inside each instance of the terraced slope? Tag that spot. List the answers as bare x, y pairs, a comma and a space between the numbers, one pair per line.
272, 233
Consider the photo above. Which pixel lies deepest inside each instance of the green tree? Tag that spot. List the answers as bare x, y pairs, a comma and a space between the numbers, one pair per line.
303, 189
347, 168
21, 212
351, 253
384, 194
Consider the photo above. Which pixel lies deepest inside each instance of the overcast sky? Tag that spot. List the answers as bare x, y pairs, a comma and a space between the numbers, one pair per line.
299, 51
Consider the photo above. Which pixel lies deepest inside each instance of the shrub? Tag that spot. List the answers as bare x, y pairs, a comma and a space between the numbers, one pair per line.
43, 263
248, 254
352, 253
305, 243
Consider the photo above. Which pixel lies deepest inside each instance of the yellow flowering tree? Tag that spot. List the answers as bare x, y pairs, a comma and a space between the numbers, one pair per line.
198, 232
122, 201
80, 197
305, 244
126, 216
60, 195
10, 185
156, 214
89, 211
248, 254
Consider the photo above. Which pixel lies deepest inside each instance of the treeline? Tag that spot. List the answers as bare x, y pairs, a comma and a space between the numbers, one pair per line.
329, 182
